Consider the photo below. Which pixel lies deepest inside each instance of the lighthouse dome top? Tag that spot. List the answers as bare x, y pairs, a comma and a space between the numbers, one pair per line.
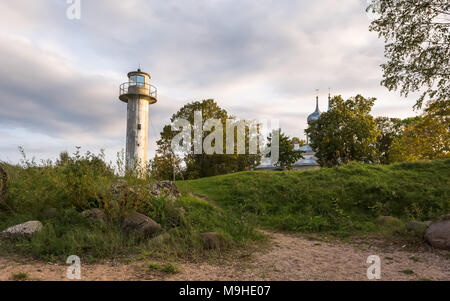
138, 85
139, 72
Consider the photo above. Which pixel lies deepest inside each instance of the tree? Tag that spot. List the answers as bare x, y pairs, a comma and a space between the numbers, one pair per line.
192, 166
347, 132
389, 129
300, 142
166, 164
427, 138
287, 155
417, 37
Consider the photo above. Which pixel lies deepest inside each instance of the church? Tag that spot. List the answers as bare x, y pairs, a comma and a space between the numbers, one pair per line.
309, 160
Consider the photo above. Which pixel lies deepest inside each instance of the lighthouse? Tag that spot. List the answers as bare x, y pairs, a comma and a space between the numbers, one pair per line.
139, 95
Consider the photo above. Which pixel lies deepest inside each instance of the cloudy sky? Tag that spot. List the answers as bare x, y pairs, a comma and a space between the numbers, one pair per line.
257, 58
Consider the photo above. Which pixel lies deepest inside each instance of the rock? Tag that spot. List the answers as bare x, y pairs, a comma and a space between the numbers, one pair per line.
212, 240
165, 188
438, 234
156, 190
417, 227
388, 220
49, 213
136, 223
25, 229
95, 214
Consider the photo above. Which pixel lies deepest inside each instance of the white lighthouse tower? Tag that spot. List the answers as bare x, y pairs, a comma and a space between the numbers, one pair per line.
138, 94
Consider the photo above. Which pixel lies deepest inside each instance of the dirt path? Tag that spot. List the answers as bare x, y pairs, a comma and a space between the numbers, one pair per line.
290, 257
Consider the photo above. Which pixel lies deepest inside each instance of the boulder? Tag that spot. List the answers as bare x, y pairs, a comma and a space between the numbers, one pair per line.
136, 223
25, 229
388, 220
212, 240
95, 214
438, 234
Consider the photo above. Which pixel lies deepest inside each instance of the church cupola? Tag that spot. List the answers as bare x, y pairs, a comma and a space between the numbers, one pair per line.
316, 114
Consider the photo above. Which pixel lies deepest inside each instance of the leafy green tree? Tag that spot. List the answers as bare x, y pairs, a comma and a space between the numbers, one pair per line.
389, 129
166, 164
347, 132
299, 141
427, 138
417, 37
192, 166
287, 155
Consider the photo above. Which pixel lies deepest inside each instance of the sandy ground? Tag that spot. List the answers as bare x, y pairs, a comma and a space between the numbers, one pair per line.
289, 257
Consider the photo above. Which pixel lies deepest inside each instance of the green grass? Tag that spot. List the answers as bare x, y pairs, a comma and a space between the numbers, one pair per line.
84, 183
167, 268
21, 276
407, 272
340, 200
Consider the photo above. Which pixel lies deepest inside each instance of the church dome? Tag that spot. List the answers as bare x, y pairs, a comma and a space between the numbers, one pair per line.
314, 116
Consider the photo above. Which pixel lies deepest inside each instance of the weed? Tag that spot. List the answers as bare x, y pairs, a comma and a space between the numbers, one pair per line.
167, 268
21, 276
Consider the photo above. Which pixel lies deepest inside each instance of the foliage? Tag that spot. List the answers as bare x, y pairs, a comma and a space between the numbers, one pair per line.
417, 37
191, 165
428, 138
343, 200
389, 129
347, 132
167, 268
78, 182
287, 155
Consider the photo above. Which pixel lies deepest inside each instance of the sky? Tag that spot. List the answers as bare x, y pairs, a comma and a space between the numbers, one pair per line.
259, 59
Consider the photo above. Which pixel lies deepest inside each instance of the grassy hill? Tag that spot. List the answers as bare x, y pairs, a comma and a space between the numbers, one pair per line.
342, 200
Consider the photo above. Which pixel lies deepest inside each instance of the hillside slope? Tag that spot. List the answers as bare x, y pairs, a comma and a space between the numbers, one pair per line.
343, 199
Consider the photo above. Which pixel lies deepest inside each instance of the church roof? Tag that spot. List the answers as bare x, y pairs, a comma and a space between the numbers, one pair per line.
316, 114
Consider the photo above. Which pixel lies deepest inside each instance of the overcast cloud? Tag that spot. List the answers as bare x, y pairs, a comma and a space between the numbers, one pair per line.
256, 58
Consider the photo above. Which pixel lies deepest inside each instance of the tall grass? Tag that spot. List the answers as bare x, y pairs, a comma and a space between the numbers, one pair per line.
56, 192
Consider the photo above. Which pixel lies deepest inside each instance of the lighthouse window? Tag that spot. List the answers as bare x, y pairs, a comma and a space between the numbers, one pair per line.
139, 126
137, 80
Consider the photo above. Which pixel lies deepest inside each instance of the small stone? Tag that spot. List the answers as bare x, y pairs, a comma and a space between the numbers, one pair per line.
25, 229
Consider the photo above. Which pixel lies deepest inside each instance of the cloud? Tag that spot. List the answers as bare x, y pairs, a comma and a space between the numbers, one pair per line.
258, 59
